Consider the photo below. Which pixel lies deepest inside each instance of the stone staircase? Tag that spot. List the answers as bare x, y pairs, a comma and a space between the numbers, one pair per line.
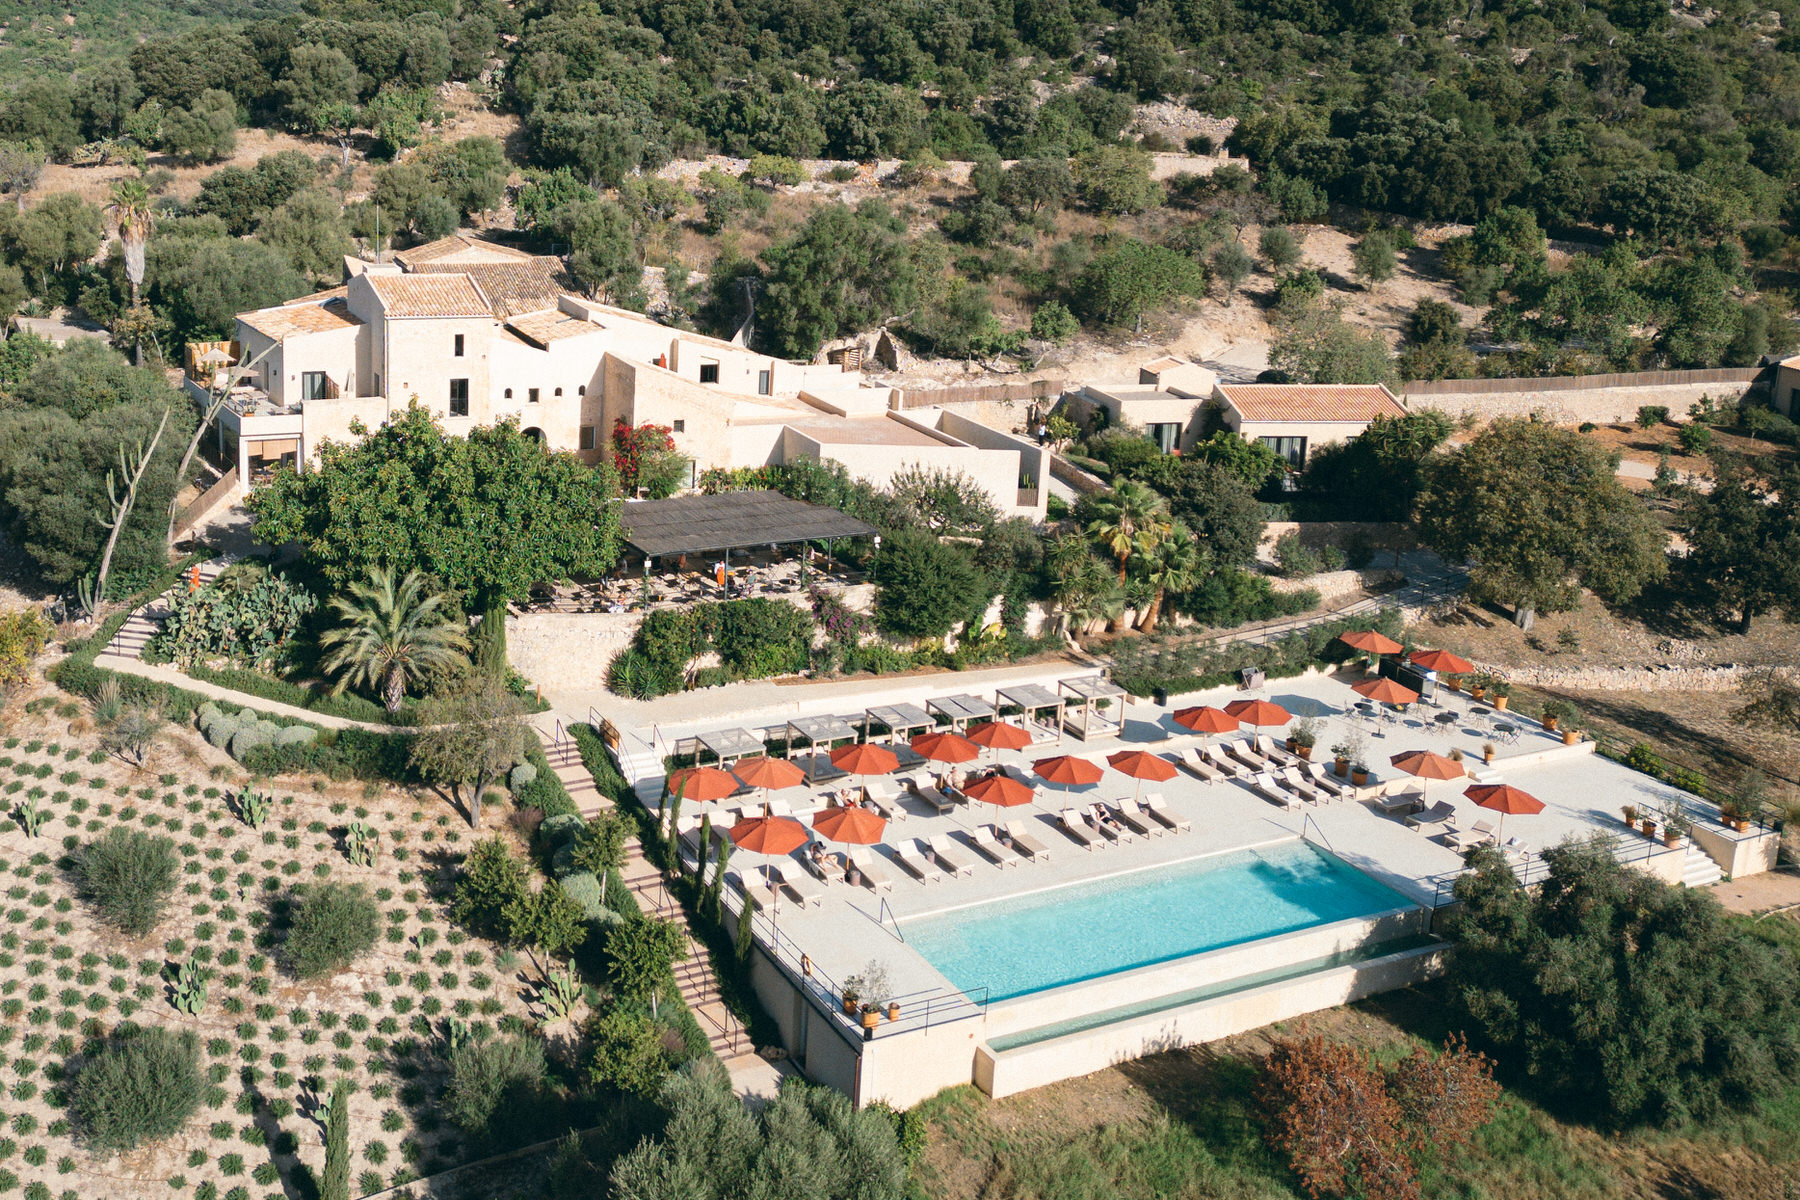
143, 624
1699, 870
694, 976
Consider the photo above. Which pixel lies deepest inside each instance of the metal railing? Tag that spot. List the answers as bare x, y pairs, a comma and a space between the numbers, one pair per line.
1532, 868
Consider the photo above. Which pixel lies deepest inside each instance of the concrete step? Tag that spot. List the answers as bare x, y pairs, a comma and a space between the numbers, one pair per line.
1699, 870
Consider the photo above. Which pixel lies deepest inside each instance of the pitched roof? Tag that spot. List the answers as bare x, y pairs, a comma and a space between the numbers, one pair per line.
512, 287
1358, 402
1163, 364
430, 296
288, 320
466, 249
320, 297
548, 325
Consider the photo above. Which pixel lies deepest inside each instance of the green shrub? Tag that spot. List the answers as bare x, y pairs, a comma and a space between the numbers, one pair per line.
332, 925
143, 1085
485, 1073
129, 876
246, 617
627, 1051
1695, 438
1649, 416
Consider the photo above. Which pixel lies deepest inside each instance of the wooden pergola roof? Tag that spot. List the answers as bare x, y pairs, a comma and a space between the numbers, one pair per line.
731, 521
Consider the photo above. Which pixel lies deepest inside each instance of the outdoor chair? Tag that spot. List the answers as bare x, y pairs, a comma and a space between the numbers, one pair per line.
1025, 843
1265, 786
756, 886
993, 849
1267, 747
802, 889
1191, 761
943, 852
1438, 815
1110, 830
1076, 826
1159, 811
1247, 756
915, 863
939, 802
1136, 819
1322, 779
1298, 784
1400, 803
871, 872
826, 869
1215, 754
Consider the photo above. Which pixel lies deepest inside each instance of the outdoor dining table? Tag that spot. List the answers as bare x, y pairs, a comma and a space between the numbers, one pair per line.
1447, 719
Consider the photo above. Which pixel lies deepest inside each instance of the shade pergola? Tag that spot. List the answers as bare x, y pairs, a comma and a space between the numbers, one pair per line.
816, 732
731, 521
1031, 699
1002, 790
729, 745
703, 783
1441, 660
902, 721
1504, 799
1385, 691
1370, 642
961, 709
1259, 712
853, 824
1088, 691
1141, 765
1207, 719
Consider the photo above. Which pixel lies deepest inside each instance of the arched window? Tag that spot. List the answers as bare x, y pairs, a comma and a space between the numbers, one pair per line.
559, 391
509, 393
581, 390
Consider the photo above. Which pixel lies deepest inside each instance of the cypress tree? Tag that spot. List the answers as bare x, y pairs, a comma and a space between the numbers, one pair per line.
336, 1184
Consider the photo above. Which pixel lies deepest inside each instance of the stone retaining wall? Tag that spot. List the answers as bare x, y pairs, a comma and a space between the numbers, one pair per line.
1572, 406
1658, 678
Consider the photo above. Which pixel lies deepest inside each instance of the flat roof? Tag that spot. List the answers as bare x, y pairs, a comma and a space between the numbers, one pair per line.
822, 729
900, 716
730, 520
1358, 402
961, 708
866, 431
1092, 687
731, 743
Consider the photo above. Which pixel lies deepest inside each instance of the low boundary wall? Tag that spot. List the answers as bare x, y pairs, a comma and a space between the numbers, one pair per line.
1572, 399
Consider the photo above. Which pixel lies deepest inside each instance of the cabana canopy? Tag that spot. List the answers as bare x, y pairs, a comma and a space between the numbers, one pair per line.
1029, 696
731, 521
960, 710
901, 719
730, 744
817, 730
1092, 687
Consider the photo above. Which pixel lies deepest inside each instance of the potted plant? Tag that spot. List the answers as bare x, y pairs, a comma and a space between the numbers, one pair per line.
1676, 824
1571, 735
870, 987
893, 1010
1555, 712
1501, 690
1359, 760
1630, 811
1340, 755
1648, 825
1304, 737
1453, 682
1487, 752
1478, 684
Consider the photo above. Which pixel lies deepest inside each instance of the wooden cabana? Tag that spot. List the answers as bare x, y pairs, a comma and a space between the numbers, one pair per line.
1032, 700
1093, 695
903, 722
961, 710
728, 745
819, 734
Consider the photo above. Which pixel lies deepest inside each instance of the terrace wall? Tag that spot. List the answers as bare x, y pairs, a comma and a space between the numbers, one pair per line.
1572, 399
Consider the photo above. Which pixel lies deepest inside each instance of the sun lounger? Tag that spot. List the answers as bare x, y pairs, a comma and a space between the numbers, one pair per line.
1441, 813
872, 874
939, 802
827, 869
1112, 831
916, 863
1076, 826
993, 849
755, 885
944, 852
1126, 812
1228, 767
1479, 834
1300, 785
1246, 755
1162, 814
1400, 802
1265, 786
1191, 761
1322, 779
1025, 844
799, 886
1266, 746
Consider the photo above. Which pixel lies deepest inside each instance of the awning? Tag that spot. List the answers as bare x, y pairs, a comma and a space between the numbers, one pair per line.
731, 521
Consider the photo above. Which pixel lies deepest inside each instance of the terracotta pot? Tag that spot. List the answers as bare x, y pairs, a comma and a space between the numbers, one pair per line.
1291, 745
1671, 838
871, 1017
1739, 825
1453, 683
1649, 828
1571, 736
1359, 778
893, 1011
1550, 724
1477, 691
1305, 753
849, 1006
1341, 767
1487, 756
1500, 702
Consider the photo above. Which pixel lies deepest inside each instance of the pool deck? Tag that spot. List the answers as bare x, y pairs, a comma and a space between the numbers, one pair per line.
854, 925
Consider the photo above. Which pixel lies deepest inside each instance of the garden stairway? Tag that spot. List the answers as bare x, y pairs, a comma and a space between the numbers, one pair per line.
1699, 870
694, 976
143, 624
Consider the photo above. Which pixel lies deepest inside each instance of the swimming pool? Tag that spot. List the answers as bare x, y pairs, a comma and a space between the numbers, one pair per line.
1066, 935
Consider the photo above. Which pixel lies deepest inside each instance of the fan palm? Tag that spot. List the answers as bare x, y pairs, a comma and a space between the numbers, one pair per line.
1173, 566
131, 204
1130, 520
392, 634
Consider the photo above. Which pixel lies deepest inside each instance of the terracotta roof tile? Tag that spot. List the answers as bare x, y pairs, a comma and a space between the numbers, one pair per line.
1358, 402
433, 295
470, 250
289, 320
515, 287
547, 325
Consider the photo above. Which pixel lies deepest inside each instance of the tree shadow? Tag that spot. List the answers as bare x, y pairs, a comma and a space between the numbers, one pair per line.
297, 1182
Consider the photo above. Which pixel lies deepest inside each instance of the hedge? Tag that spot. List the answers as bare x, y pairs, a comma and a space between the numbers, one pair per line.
267, 687
545, 791
1198, 666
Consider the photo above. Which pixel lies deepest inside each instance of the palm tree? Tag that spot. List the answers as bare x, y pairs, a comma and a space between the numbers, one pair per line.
1173, 566
392, 635
1129, 520
131, 204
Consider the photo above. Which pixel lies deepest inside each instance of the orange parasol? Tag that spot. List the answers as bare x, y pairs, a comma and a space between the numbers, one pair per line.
1002, 790
1259, 712
851, 824
769, 835
998, 735
1141, 766
1067, 770
946, 748
1385, 691
703, 783
1441, 660
1428, 766
1504, 798
768, 773
862, 759
1207, 719
1370, 642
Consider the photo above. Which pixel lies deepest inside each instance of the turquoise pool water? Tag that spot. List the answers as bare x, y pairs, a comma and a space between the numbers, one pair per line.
1014, 947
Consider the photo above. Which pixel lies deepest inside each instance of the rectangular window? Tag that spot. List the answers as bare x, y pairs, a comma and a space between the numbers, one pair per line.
587, 437
531, 395
1293, 449
459, 346
765, 382
709, 372
312, 385
1166, 435
459, 397
681, 427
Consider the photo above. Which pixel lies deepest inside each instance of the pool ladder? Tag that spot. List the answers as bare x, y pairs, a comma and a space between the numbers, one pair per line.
1306, 820
886, 918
